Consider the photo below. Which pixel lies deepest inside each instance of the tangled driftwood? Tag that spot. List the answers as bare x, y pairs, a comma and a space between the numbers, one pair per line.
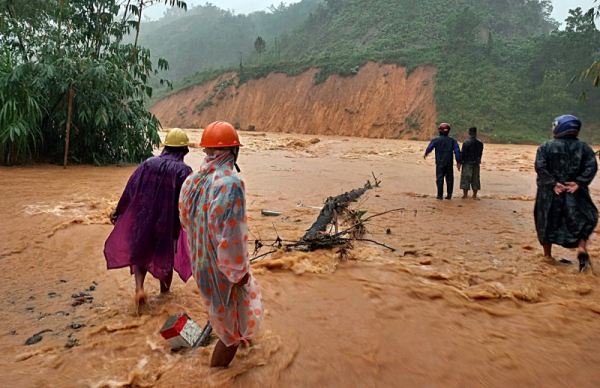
316, 236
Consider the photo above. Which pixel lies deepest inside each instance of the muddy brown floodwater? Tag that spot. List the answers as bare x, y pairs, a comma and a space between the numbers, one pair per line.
465, 301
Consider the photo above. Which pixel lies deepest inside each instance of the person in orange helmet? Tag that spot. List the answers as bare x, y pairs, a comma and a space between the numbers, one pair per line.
213, 213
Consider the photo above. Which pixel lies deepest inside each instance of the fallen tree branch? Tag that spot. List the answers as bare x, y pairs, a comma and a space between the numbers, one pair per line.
331, 204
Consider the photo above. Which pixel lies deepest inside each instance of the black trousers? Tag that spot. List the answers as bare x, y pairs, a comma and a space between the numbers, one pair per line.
441, 172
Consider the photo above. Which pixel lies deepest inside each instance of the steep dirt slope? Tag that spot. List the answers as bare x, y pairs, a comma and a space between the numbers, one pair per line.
381, 101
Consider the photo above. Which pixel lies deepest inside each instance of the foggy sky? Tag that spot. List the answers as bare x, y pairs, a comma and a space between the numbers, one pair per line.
560, 13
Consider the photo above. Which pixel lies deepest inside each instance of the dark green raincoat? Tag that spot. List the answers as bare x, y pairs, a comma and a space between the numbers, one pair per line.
567, 218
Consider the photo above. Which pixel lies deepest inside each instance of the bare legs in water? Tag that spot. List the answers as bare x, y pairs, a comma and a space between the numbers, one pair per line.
582, 255
222, 355
466, 194
141, 298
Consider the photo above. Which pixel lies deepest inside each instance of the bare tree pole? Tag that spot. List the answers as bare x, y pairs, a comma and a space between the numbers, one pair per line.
137, 32
71, 92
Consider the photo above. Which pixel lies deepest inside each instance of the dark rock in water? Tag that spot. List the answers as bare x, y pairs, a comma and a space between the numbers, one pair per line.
34, 339
71, 343
76, 326
84, 295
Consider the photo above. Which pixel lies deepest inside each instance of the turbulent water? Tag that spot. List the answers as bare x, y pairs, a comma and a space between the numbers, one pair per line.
466, 300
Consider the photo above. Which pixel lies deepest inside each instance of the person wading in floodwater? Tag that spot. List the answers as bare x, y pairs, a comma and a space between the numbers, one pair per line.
470, 160
147, 235
564, 211
444, 146
213, 213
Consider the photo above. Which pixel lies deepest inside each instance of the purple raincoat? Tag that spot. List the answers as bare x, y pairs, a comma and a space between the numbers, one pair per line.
147, 226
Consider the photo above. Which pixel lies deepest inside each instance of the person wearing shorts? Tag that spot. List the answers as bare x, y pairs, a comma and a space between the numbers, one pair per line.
470, 155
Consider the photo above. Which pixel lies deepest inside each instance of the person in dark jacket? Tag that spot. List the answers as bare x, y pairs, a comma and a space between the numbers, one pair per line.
470, 160
564, 212
148, 236
444, 146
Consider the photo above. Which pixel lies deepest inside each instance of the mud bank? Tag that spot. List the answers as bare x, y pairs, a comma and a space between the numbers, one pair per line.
381, 101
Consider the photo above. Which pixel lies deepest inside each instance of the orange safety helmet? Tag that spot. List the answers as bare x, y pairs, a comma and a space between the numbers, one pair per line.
220, 134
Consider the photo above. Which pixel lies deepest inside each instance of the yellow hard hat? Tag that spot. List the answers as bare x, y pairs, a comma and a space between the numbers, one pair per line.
176, 138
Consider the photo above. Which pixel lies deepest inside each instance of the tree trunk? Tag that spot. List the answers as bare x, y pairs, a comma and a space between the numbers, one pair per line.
71, 92
137, 32
12, 14
333, 204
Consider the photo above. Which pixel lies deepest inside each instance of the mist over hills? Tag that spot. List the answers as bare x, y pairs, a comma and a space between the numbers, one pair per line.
502, 64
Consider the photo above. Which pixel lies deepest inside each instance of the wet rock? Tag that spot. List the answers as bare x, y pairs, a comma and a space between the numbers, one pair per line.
53, 295
62, 281
34, 339
76, 326
71, 343
377, 195
388, 231
42, 316
30, 308
92, 288
411, 252
81, 295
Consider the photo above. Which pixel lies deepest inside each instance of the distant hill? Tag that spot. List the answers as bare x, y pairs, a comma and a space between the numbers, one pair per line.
210, 37
501, 64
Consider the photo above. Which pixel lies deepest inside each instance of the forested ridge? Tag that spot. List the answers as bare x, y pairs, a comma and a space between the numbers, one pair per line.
502, 64
77, 76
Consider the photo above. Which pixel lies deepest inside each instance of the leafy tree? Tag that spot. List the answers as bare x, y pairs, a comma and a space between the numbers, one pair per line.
580, 22
260, 46
75, 72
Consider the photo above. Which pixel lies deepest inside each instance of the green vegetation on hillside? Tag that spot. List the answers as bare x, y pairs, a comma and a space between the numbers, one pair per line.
502, 64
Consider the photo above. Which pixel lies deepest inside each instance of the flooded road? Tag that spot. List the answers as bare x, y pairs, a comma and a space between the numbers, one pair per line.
465, 301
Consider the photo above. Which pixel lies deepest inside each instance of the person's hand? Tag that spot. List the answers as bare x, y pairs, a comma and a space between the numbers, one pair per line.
113, 217
559, 188
242, 282
458, 165
571, 187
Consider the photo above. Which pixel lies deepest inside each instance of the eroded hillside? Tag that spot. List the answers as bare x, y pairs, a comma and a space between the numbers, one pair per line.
380, 101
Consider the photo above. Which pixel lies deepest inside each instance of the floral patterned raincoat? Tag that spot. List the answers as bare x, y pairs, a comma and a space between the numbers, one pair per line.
213, 213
